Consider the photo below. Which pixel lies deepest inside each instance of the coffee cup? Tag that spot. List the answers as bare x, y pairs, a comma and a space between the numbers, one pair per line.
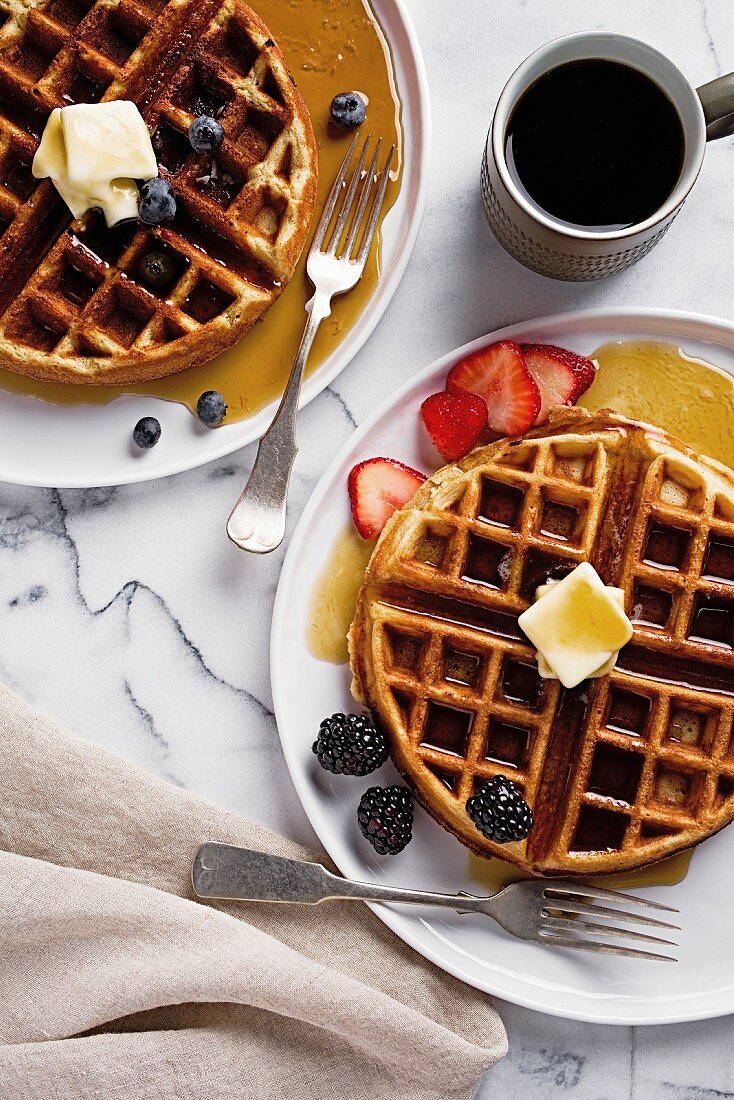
558, 246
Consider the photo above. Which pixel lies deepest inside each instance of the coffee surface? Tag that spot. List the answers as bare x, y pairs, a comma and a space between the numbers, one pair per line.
596, 144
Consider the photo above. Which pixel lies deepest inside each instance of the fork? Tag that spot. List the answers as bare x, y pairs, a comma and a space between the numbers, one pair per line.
336, 261
544, 911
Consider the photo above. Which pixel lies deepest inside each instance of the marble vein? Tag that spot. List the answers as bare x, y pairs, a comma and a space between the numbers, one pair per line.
128, 592
342, 405
710, 43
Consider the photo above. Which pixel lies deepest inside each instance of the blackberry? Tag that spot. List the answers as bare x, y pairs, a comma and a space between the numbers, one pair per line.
348, 744
499, 811
385, 818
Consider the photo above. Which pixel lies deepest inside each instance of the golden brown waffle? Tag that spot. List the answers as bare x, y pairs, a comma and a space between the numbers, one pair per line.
71, 306
620, 771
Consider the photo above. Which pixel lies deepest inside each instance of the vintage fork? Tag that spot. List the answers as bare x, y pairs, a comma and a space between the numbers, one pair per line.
257, 521
545, 911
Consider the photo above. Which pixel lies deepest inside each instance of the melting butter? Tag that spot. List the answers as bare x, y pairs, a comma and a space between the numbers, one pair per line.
93, 153
577, 626
544, 669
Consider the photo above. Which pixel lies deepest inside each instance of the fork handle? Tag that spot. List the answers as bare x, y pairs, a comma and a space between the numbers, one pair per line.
224, 871
257, 521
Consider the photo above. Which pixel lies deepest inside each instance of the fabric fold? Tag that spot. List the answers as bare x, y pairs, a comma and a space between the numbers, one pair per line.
117, 983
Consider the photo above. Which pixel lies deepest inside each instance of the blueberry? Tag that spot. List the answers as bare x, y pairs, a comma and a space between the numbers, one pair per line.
348, 110
157, 203
147, 432
205, 134
211, 408
156, 270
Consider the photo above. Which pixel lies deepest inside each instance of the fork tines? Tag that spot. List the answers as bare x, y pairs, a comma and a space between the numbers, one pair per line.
359, 227
572, 917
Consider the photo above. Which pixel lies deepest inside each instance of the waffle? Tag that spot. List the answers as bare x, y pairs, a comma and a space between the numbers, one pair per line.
621, 771
72, 308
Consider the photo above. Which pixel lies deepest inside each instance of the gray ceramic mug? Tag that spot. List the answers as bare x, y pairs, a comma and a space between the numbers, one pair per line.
554, 249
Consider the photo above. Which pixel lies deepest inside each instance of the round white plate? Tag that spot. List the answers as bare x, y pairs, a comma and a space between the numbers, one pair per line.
80, 446
305, 690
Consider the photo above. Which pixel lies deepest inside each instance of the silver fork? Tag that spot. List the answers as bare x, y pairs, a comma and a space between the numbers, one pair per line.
336, 261
545, 911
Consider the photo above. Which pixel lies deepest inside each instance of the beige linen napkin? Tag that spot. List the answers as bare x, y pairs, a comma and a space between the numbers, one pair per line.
116, 985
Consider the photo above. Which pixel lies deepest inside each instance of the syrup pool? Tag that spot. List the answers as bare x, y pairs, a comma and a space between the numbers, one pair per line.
334, 597
330, 46
660, 384
491, 875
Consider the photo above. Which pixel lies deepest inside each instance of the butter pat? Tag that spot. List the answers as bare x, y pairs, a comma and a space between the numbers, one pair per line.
544, 669
94, 152
106, 141
578, 626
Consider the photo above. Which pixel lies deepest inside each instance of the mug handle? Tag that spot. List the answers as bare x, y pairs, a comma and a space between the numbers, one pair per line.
717, 100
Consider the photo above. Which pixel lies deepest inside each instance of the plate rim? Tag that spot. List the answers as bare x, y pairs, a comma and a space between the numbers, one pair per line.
316, 383
708, 328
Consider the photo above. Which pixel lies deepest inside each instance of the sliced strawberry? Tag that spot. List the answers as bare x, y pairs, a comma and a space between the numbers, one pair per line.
561, 375
454, 422
377, 488
499, 375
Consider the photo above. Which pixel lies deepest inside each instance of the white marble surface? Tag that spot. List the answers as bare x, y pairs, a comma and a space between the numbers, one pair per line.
126, 612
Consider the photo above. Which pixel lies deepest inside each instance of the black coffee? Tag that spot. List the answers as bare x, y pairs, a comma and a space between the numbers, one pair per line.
595, 144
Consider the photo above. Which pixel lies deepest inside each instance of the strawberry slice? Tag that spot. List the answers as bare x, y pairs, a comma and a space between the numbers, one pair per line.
377, 488
561, 375
454, 422
499, 375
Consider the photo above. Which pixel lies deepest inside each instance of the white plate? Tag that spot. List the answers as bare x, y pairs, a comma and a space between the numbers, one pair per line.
80, 446
564, 983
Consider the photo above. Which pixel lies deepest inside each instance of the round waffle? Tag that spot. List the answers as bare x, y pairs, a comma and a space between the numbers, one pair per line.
620, 771
72, 308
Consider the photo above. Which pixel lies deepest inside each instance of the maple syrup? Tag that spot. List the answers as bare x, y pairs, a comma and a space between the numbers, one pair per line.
507, 745
666, 547
462, 668
487, 563
447, 729
491, 875
522, 684
500, 504
657, 383
334, 598
628, 712
431, 548
331, 46
719, 561
560, 521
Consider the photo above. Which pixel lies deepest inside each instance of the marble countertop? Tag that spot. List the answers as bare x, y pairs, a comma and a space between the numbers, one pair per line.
126, 613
